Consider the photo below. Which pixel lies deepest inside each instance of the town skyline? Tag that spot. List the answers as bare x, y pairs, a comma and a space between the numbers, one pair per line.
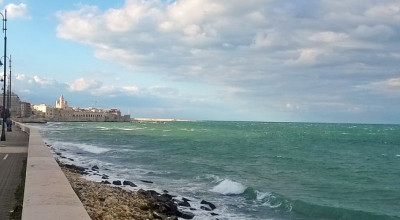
314, 61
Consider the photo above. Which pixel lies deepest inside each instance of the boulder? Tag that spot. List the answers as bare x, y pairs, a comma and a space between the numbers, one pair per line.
146, 181
212, 206
205, 208
104, 177
77, 169
185, 215
184, 203
185, 199
128, 183
117, 182
95, 168
158, 216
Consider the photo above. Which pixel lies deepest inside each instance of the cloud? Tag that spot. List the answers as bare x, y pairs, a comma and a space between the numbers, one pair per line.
83, 84
328, 37
41, 80
390, 87
17, 11
310, 55
130, 88
20, 77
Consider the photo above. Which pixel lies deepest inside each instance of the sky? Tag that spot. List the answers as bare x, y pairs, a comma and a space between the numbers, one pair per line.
258, 60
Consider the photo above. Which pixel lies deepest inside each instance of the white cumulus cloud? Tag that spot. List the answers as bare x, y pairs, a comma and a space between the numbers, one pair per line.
17, 10
83, 84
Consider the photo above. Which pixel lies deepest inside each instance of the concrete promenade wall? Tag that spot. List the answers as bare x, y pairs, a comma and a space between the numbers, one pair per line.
48, 194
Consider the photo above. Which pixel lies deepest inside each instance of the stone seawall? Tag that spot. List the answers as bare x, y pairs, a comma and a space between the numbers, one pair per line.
48, 194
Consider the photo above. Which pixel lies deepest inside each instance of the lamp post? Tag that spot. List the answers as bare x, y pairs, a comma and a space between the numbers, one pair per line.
8, 93
3, 134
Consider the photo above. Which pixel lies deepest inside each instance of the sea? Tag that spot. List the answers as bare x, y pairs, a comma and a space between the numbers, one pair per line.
248, 170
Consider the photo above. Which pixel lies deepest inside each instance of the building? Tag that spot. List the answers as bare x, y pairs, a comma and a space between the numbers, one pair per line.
15, 108
43, 111
26, 110
63, 112
61, 103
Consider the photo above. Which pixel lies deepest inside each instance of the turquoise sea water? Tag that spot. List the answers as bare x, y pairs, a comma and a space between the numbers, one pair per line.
249, 170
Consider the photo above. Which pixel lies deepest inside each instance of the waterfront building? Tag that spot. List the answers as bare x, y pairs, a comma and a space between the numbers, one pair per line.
63, 112
26, 110
43, 111
15, 108
61, 103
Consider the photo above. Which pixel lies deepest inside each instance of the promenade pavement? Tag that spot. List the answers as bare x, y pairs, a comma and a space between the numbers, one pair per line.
13, 152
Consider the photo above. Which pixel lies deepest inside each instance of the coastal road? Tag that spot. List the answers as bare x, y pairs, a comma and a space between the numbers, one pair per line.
13, 152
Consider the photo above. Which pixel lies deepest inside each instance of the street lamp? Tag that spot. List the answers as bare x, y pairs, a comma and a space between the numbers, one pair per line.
3, 134
8, 93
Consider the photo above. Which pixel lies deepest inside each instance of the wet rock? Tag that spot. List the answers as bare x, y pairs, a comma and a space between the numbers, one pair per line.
184, 204
169, 208
212, 206
105, 182
148, 193
158, 216
78, 169
213, 213
205, 208
117, 182
185, 215
128, 183
185, 199
104, 177
146, 181
95, 168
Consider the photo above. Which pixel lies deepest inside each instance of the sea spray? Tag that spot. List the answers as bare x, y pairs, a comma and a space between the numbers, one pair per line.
228, 187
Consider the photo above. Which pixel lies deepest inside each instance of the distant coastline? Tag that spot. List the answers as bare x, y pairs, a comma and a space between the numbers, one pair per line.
134, 120
159, 120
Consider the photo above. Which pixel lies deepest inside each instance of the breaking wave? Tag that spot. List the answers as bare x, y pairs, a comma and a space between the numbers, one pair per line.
228, 187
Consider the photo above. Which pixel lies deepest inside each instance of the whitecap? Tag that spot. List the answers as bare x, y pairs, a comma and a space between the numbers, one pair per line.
85, 147
127, 129
398, 155
228, 187
262, 195
130, 129
103, 128
92, 149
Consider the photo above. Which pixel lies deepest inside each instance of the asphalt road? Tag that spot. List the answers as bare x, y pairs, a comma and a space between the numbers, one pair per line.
13, 152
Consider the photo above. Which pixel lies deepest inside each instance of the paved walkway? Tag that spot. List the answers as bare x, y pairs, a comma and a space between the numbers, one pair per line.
13, 152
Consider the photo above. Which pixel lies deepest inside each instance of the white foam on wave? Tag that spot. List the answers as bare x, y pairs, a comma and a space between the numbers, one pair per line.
262, 195
229, 187
103, 128
86, 147
130, 129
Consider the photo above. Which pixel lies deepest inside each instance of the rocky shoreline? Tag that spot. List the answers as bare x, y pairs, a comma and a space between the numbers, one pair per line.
108, 201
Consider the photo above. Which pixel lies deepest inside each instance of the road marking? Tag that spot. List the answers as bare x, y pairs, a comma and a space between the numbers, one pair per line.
5, 157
